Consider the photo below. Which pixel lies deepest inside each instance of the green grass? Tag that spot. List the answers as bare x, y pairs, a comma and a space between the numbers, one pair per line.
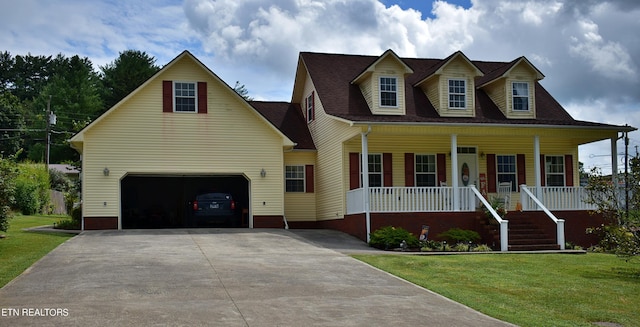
529, 289
20, 249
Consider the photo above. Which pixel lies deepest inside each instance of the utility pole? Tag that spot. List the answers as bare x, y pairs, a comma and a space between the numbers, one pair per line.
48, 134
626, 173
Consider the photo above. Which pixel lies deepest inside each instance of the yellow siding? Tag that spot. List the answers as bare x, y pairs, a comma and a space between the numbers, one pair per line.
501, 92
497, 91
138, 137
432, 89
367, 91
328, 135
300, 206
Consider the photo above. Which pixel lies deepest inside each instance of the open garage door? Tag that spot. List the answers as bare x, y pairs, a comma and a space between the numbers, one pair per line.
161, 201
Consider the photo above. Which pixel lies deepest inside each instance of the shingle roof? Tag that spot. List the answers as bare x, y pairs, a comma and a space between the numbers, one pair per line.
331, 75
288, 119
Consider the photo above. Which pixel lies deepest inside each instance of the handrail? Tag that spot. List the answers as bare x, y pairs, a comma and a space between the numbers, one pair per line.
537, 201
559, 222
504, 224
484, 201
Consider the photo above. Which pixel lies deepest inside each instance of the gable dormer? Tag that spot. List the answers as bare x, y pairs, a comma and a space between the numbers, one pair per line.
450, 86
382, 84
512, 88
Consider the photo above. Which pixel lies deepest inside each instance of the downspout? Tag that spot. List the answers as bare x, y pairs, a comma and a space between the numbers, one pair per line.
365, 180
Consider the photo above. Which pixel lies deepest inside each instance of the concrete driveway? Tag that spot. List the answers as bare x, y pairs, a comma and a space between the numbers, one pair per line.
220, 278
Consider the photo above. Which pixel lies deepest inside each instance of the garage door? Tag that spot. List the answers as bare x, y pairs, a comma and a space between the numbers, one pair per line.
168, 201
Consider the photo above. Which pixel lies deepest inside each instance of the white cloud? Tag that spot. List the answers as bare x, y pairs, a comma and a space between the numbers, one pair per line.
588, 50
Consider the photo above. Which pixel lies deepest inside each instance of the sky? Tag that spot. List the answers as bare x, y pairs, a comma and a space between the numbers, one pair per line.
588, 50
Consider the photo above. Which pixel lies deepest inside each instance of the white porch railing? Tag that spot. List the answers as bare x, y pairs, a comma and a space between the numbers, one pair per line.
557, 198
526, 196
410, 199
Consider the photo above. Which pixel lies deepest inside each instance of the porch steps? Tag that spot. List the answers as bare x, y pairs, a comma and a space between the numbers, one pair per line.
524, 233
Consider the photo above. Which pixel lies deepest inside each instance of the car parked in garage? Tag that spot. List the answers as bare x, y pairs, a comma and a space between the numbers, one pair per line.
214, 208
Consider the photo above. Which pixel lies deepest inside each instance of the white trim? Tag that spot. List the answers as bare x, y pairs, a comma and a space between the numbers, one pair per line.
174, 96
304, 179
449, 94
415, 170
546, 170
529, 94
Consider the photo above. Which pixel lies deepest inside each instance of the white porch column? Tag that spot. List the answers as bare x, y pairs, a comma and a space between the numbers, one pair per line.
537, 164
614, 160
454, 172
365, 180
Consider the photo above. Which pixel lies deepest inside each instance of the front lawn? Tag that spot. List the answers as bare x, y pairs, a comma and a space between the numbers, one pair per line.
529, 289
20, 249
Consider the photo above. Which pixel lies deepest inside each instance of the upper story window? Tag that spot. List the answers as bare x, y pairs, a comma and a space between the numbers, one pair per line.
310, 107
554, 169
388, 92
425, 170
520, 96
457, 94
506, 169
294, 179
184, 97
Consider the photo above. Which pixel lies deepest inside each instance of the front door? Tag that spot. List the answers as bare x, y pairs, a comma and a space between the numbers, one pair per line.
467, 166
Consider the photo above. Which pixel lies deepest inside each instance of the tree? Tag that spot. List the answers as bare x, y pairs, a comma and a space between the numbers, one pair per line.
12, 121
621, 233
125, 74
242, 91
74, 90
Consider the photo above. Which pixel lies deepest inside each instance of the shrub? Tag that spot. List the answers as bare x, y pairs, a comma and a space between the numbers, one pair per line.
67, 224
60, 181
32, 188
482, 248
390, 237
8, 173
457, 235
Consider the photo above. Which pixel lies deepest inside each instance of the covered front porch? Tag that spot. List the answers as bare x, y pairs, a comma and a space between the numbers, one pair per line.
469, 177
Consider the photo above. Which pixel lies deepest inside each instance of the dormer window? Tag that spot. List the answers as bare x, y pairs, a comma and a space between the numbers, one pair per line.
457, 94
520, 96
388, 92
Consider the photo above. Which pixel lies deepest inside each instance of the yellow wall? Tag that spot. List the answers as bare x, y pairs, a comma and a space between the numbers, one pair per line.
388, 67
300, 206
138, 138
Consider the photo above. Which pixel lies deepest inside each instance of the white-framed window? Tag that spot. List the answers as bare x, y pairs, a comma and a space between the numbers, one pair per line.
294, 179
425, 170
554, 170
375, 170
506, 170
388, 92
185, 97
520, 96
457, 94
310, 107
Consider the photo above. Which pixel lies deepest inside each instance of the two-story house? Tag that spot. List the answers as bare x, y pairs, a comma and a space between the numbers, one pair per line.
366, 142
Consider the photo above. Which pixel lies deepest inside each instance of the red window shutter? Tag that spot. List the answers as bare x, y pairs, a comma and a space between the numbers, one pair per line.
202, 97
387, 169
167, 96
522, 173
354, 170
543, 175
441, 162
492, 177
409, 170
308, 175
568, 170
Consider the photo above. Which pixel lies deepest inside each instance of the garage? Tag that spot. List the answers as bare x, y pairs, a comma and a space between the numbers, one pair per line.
167, 201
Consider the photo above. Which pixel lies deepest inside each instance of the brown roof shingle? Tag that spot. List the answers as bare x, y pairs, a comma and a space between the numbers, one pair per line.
331, 75
288, 119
